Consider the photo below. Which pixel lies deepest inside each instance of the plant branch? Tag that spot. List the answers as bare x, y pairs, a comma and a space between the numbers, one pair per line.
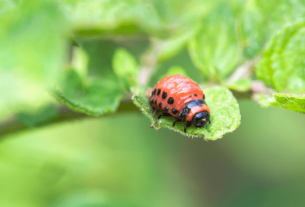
13, 125
245, 70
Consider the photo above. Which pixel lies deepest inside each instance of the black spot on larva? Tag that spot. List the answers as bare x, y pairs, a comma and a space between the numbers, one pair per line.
159, 91
164, 94
190, 96
203, 97
156, 102
152, 101
195, 94
170, 100
154, 92
166, 109
175, 111
160, 105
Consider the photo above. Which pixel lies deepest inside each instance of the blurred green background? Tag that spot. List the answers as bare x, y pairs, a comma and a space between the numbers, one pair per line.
105, 162
117, 160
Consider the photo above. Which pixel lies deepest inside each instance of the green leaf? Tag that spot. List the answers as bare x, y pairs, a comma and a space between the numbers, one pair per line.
94, 17
31, 52
39, 116
96, 97
215, 49
241, 85
282, 64
98, 87
175, 44
125, 67
261, 19
101, 54
124, 64
294, 102
156, 18
80, 61
182, 60
225, 115
175, 70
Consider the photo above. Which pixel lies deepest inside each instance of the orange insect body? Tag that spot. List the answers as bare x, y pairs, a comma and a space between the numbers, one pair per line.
182, 98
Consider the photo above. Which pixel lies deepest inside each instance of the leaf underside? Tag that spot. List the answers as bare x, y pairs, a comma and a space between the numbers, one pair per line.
225, 115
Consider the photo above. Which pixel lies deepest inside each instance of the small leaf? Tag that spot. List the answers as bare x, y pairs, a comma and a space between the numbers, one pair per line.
39, 116
101, 54
225, 115
175, 44
241, 85
282, 64
294, 102
80, 61
97, 97
124, 64
214, 50
175, 70
125, 67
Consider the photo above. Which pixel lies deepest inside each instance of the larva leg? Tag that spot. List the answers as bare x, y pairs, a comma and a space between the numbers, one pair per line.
176, 121
188, 124
154, 110
164, 114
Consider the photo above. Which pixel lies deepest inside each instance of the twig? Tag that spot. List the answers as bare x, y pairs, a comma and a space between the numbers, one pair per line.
244, 71
258, 87
149, 61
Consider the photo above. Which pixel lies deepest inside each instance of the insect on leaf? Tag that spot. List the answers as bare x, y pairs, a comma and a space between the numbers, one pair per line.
225, 115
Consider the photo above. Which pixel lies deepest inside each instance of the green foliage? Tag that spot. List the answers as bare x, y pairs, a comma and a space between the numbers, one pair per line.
39, 116
175, 44
90, 54
225, 115
215, 49
103, 17
125, 67
124, 64
173, 71
282, 64
242, 84
80, 61
94, 97
262, 19
31, 52
293, 102
116, 45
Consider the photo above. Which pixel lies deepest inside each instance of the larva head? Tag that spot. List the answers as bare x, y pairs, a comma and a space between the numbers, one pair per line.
200, 119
